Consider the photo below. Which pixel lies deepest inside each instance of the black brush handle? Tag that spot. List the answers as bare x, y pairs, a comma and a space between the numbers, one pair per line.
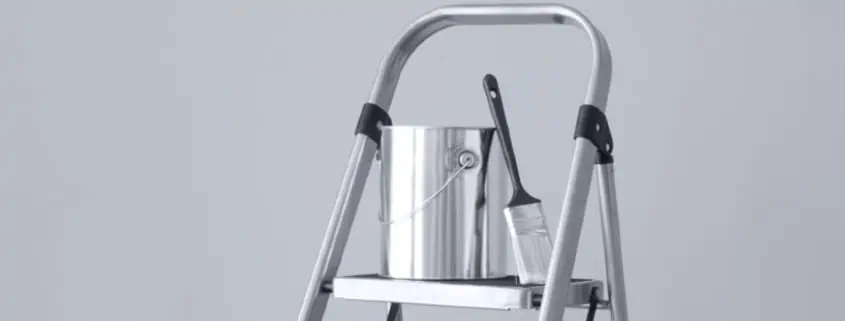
494, 100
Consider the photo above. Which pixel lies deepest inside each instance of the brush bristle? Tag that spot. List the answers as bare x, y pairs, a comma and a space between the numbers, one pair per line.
531, 242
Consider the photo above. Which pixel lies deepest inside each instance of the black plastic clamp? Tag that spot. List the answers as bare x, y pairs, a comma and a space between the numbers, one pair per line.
592, 125
370, 122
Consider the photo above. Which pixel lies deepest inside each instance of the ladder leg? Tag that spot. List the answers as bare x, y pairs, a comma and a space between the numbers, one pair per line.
568, 232
394, 312
340, 223
612, 243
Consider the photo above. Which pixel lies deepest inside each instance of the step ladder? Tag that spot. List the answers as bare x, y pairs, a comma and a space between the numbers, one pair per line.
593, 147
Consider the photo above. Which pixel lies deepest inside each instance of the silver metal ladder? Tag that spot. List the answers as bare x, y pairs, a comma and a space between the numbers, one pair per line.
592, 151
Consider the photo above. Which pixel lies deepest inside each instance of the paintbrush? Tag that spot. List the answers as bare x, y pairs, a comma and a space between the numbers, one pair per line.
529, 234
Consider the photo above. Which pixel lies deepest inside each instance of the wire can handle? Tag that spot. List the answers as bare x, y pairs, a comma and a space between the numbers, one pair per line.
466, 160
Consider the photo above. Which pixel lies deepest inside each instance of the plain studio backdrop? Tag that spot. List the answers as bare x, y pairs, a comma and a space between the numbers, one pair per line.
178, 160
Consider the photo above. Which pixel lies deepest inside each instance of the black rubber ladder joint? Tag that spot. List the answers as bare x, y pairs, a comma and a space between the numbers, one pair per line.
592, 125
371, 120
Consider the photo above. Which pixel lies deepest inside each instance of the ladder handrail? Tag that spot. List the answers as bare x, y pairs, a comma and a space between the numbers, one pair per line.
493, 14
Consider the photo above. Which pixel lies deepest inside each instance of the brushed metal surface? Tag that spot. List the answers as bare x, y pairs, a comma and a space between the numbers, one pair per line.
441, 203
387, 79
501, 294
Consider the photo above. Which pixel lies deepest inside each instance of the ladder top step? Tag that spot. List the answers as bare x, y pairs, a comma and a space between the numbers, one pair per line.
502, 293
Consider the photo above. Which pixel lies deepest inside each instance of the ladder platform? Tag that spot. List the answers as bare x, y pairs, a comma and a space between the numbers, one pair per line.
502, 293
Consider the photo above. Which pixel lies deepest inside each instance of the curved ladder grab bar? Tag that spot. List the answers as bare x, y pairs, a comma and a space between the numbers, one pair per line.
363, 152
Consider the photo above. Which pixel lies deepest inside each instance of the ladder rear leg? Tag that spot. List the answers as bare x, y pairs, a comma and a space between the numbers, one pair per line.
394, 312
612, 243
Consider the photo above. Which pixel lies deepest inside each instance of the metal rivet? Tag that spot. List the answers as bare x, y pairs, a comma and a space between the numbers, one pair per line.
467, 159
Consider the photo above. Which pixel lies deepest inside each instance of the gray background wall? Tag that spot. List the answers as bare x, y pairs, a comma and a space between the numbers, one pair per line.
178, 160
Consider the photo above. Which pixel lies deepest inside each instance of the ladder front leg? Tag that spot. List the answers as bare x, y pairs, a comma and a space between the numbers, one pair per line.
565, 248
340, 223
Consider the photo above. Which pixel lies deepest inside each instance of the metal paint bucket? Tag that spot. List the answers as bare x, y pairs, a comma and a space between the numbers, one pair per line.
443, 190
